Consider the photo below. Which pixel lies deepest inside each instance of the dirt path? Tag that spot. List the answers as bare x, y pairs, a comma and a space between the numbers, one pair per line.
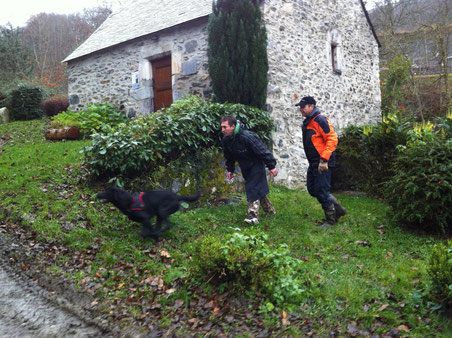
35, 304
28, 310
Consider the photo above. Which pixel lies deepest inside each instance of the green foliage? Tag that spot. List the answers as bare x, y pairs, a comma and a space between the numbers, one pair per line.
365, 153
237, 52
245, 260
93, 118
24, 102
394, 79
420, 188
440, 272
190, 125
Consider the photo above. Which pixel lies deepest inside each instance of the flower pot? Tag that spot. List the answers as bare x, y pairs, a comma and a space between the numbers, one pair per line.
65, 133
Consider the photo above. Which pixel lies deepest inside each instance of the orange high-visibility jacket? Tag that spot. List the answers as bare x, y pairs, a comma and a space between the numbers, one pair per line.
319, 138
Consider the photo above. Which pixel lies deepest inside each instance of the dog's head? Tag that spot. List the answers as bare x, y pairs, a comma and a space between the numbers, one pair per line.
109, 195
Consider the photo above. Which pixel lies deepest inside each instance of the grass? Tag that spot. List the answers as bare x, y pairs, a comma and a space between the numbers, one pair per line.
365, 271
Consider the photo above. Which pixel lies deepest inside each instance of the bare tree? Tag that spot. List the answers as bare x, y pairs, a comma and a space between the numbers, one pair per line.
420, 30
52, 37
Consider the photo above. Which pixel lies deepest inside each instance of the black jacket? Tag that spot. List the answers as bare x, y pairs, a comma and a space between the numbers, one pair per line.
250, 152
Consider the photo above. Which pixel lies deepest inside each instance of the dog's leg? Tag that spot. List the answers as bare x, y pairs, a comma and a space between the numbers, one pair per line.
148, 232
158, 225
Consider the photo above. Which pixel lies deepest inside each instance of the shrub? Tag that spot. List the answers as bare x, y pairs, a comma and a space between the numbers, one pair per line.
93, 118
24, 102
54, 106
440, 272
244, 260
188, 126
420, 188
365, 153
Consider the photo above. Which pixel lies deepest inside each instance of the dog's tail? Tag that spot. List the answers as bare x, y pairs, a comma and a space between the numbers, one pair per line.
193, 198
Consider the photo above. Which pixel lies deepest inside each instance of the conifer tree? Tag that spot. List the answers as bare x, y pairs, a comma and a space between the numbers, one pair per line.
237, 52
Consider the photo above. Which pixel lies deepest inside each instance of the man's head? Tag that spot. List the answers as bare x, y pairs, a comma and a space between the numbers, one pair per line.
307, 105
228, 124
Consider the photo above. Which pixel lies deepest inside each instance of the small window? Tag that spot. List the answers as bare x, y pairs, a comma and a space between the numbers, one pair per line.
334, 56
335, 52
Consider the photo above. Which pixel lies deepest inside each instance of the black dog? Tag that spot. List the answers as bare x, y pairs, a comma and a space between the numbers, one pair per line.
141, 207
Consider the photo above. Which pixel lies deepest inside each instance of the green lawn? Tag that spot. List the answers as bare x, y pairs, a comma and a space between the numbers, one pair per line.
365, 274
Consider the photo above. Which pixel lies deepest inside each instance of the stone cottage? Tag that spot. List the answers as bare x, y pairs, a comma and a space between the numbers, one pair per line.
152, 52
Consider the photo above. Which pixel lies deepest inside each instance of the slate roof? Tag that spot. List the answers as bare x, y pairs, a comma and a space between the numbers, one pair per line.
141, 17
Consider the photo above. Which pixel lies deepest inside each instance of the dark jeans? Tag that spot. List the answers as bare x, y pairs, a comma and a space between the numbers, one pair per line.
319, 185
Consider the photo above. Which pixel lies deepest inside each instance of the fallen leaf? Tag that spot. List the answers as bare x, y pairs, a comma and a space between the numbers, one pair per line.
25, 267
360, 266
170, 291
216, 310
363, 243
352, 329
414, 268
178, 303
384, 306
380, 231
165, 253
403, 328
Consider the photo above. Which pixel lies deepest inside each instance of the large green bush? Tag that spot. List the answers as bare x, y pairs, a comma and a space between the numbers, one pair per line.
245, 261
24, 102
440, 272
188, 126
420, 188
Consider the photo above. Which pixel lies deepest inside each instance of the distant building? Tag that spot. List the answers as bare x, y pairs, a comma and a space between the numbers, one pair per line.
150, 53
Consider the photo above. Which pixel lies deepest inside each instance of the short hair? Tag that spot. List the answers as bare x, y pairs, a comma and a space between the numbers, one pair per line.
231, 120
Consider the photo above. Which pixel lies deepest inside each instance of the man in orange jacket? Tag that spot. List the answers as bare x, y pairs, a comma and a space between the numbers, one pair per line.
319, 142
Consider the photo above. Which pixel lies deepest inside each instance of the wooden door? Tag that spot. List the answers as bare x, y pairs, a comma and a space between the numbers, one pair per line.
161, 79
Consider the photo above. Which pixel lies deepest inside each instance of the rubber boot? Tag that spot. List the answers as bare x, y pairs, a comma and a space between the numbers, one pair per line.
267, 206
340, 210
330, 216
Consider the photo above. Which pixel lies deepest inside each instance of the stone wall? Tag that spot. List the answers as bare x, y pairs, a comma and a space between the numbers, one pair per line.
300, 35
107, 75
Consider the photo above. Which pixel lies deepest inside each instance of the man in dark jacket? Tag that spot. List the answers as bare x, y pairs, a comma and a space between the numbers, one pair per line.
319, 143
250, 152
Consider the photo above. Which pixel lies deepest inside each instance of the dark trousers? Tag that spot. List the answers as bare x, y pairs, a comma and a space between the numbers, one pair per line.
319, 185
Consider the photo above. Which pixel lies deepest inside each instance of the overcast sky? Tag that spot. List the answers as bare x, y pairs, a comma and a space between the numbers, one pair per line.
17, 12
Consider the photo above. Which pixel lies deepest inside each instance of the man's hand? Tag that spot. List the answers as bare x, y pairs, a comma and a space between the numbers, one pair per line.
274, 172
230, 175
323, 166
